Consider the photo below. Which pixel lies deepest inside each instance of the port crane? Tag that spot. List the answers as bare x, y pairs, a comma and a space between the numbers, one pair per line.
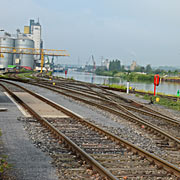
93, 61
33, 51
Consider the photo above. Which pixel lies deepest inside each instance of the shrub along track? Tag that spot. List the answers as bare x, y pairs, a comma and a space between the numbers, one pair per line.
164, 140
114, 156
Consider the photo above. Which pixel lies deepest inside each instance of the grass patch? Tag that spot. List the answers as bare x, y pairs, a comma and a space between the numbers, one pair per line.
5, 76
104, 73
172, 77
164, 102
26, 75
116, 86
49, 73
119, 74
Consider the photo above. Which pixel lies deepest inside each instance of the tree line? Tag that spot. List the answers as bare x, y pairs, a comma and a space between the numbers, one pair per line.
115, 66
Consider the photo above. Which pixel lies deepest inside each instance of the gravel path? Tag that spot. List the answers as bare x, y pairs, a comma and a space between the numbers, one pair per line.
28, 162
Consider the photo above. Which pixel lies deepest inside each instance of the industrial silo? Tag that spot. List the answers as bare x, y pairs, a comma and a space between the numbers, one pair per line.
25, 60
7, 59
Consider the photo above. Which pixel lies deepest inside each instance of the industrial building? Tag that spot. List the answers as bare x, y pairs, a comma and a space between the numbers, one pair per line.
33, 31
31, 38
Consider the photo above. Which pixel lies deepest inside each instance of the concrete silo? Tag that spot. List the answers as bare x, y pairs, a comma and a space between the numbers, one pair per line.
8, 58
25, 60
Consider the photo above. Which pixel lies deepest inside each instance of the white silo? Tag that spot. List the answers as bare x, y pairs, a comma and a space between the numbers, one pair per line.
25, 60
8, 58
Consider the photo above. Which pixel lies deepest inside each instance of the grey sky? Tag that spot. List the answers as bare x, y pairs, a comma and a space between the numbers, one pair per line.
147, 31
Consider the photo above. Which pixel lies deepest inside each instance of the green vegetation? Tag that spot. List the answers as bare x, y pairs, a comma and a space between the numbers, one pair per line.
172, 77
116, 86
23, 70
4, 166
104, 73
115, 65
164, 102
70, 78
26, 75
12, 66
133, 76
22, 75
49, 73
138, 77
4, 76
136, 72
120, 74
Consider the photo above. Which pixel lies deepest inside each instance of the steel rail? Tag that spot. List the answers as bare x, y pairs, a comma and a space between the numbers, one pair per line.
146, 110
96, 166
152, 114
93, 86
131, 108
131, 147
147, 125
105, 88
115, 89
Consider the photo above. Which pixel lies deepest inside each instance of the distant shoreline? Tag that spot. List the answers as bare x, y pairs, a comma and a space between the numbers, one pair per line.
171, 79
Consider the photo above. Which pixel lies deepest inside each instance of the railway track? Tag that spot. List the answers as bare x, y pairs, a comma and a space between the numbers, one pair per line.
141, 112
93, 89
129, 104
164, 140
106, 95
107, 154
67, 164
119, 105
168, 141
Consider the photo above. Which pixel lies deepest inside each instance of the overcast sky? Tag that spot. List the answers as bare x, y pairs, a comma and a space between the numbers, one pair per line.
147, 31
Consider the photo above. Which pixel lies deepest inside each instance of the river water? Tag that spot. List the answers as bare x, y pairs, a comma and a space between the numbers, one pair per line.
164, 87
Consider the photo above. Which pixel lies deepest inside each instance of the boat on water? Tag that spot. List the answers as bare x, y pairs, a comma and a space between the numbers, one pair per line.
60, 69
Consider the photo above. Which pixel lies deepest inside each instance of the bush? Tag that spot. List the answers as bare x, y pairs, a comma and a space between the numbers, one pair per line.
3, 165
139, 77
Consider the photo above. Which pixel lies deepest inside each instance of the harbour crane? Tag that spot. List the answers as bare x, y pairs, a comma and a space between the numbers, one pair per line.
33, 51
93, 61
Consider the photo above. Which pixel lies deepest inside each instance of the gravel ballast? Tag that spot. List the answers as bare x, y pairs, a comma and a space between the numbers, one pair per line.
116, 125
110, 122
